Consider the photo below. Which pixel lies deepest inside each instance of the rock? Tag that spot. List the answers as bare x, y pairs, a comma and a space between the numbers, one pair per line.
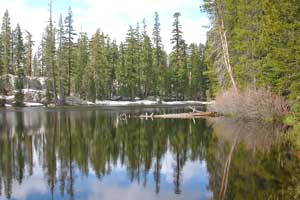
32, 83
126, 99
44, 100
116, 98
137, 98
71, 100
151, 98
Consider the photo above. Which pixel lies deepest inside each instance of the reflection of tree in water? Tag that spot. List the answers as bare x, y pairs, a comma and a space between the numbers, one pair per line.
261, 167
93, 140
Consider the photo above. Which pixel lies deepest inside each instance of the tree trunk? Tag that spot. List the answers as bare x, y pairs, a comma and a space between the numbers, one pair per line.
224, 43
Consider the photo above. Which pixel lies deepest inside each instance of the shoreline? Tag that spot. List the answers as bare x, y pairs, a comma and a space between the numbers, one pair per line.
115, 104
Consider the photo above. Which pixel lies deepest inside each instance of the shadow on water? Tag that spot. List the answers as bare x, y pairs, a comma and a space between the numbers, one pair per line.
92, 154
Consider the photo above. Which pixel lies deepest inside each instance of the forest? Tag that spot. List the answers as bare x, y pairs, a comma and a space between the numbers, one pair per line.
98, 68
263, 45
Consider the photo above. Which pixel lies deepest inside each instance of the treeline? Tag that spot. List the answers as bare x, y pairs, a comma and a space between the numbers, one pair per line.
99, 68
263, 44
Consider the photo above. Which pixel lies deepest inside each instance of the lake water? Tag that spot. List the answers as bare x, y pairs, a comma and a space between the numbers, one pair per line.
92, 153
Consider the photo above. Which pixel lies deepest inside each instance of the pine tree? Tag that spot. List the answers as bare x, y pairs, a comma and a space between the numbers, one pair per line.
198, 81
111, 54
28, 53
1, 67
6, 44
132, 61
69, 30
121, 71
61, 61
98, 63
36, 66
18, 49
178, 59
19, 95
19, 52
159, 58
81, 63
48, 49
115, 56
149, 74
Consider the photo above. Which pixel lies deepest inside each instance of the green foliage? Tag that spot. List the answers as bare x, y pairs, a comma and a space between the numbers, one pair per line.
18, 49
6, 44
69, 45
19, 96
28, 54
264, 51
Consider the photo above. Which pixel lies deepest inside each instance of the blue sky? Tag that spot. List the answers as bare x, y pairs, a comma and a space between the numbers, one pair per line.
112, 17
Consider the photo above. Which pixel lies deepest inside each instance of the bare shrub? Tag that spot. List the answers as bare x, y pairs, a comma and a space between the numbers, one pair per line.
250, 103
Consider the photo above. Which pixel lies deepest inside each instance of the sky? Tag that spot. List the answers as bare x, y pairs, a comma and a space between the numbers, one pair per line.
113, 17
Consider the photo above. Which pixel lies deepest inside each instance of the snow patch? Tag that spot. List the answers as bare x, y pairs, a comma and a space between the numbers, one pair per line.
90, 103
186, 103
126, 103
11, 97
30, 104
148, 102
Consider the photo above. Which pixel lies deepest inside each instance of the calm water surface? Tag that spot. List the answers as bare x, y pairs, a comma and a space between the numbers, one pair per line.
89, 153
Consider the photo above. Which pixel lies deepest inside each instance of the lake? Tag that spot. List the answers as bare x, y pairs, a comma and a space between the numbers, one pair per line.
93, 153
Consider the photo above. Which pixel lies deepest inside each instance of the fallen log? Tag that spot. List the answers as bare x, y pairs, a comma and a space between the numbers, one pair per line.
183, 115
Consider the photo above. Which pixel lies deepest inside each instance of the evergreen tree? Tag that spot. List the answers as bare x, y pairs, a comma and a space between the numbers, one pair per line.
28, 53
178, 59
81, 63
115, 56
98, 62
121, 71
6, 44
159, 58
48, 49
149, 74
1, 67
19, 52
132, 61
36, 66
18, 49
61, 61
198, 81
19, 95
69, 30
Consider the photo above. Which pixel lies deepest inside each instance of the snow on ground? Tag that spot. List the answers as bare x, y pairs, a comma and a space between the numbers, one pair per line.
126, 103
90, 103
12, 97
8, 105
30, 104
187, 102
147, 102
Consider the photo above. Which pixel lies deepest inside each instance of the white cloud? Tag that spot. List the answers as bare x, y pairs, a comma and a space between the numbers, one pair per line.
113, 17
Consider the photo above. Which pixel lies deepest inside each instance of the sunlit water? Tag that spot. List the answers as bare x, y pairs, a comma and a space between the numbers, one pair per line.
92, 153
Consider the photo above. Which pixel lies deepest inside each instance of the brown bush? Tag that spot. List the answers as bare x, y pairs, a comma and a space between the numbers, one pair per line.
250, 103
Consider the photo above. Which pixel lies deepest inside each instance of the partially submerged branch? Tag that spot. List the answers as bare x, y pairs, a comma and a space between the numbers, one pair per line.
189, 115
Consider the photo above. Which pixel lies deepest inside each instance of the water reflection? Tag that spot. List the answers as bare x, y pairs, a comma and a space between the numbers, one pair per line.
68, 150
92, 154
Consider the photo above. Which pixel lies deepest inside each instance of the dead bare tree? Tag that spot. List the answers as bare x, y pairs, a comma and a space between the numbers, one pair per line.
219, 39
